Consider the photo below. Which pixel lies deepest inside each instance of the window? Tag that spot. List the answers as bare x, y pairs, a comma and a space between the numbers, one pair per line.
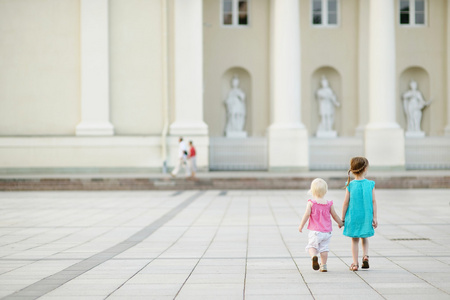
325, 12
412, 12
235, 12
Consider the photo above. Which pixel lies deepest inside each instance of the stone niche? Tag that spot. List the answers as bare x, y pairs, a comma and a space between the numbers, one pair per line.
420, 76
245, 86
334, 81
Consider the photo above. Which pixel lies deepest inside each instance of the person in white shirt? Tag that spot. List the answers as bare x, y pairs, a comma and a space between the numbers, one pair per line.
182, 159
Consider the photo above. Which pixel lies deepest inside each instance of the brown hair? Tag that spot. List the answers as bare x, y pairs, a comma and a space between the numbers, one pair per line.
357, 166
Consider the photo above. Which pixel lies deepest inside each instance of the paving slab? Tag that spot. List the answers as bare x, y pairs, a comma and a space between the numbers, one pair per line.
215, 244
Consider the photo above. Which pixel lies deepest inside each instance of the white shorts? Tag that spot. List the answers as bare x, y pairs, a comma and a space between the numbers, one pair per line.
319, 241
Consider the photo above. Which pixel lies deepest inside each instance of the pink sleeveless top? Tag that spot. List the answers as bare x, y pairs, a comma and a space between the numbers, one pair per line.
320, 218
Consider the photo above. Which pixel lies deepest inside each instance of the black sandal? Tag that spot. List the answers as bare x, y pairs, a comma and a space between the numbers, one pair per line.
315, 263
365, 262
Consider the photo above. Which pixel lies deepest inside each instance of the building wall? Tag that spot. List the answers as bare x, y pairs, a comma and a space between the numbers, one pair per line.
227, 48
425, 47
39, 67
334, 48
135, 66
40, 77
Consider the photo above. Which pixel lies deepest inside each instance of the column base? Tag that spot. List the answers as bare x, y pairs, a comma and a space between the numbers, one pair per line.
447, 131
359, 131
385, 147
288, 148
94, 129
236, 134
414, 134
326, 134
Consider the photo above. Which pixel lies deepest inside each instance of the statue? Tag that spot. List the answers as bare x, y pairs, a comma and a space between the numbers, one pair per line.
236, 110
413, 104
327, 102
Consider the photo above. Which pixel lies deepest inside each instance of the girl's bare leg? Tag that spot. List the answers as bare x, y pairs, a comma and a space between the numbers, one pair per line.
324, 257
355, 246
365, 246
312, 252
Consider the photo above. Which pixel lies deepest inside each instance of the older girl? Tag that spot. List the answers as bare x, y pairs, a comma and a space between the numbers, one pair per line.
359, 211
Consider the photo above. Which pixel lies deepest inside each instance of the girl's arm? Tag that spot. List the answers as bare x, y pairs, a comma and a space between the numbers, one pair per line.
345, 205
374, 203
305, 216
336, 217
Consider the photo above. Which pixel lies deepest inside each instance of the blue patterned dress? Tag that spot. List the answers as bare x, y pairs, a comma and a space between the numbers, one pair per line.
359, 215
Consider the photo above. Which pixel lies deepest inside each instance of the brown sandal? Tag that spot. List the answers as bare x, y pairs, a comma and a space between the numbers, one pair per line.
365, 262
354, 267
315, 263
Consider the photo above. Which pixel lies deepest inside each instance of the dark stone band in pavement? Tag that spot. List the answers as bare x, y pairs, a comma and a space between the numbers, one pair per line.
211, 183
54, 281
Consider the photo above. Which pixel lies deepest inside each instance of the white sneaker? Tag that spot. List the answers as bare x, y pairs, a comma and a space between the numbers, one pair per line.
323, 268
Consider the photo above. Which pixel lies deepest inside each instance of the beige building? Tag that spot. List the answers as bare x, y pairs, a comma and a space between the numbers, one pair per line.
111, 84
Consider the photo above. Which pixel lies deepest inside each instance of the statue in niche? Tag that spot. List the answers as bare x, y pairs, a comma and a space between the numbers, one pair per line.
413, 104
236, 110
327, 103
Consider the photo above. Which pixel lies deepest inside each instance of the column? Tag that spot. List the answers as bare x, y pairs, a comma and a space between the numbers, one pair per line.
288, 137
94, 69
447, 128
188, 78
188, 83
363, 66
384, 139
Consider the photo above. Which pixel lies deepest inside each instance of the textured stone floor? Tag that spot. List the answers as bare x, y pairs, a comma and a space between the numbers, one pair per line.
213, 245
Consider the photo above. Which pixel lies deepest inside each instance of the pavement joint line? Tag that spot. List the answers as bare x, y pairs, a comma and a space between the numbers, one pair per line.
358, 274
43, 232
414, 274
48, 284
111, 227
162, 252
339, 257
206, 250
75, 232
218, 257
246, 250
287, 248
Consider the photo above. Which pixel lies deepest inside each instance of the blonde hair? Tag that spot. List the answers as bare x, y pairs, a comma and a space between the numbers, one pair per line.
358, 165
318, 188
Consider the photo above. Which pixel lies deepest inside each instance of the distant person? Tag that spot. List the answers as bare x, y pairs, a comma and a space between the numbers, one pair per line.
192, 159
319, 212
182, 159
359, 211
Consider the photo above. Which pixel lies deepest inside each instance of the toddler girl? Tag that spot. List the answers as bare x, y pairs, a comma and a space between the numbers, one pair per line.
359, 211
318, 211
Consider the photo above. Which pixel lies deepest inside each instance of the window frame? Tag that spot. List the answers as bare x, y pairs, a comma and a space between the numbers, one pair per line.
412, 14
324, 15
234, 15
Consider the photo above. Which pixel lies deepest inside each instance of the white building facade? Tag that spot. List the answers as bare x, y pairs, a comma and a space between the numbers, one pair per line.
111, 84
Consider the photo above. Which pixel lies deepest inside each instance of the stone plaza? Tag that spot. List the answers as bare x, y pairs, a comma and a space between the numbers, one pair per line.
215, 244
